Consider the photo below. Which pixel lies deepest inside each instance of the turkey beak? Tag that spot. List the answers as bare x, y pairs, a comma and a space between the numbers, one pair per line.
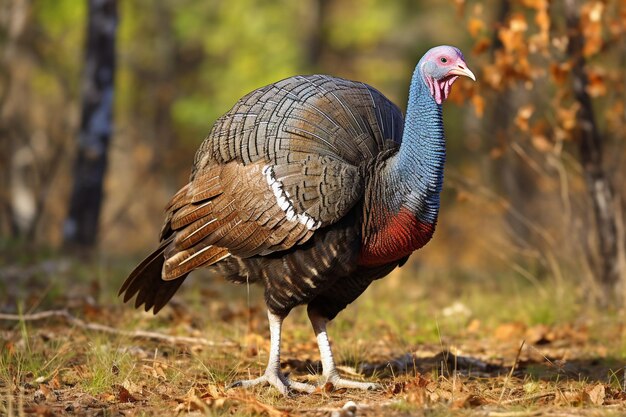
462, 70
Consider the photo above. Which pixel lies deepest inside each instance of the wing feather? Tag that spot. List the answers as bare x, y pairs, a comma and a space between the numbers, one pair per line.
282, 163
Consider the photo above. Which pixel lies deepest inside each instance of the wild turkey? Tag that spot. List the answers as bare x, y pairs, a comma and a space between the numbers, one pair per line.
314, 187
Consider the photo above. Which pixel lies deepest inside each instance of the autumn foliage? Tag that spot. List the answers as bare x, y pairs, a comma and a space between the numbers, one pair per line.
552, 76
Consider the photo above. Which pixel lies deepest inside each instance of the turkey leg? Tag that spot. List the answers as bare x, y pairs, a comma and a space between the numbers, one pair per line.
329, 370
272, 374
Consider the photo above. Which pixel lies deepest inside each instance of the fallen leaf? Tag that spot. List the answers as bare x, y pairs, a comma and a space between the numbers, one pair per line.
131, 387
538, 334
595, 395
396, 388
124, 396
460, 400
473, 326
40, 411
509, 331
191, 402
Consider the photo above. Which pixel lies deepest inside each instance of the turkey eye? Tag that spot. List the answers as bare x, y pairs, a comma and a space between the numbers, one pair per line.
444, 60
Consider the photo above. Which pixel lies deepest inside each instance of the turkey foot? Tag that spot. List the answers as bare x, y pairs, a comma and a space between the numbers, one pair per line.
329, 370
272, 374
339, 382
278, 381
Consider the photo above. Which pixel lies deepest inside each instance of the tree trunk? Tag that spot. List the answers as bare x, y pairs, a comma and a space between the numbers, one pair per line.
316, 39
590, 147
96, 126
12, 28
510, 172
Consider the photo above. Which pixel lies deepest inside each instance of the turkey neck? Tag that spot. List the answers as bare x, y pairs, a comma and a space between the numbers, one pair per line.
402, 208
418, 165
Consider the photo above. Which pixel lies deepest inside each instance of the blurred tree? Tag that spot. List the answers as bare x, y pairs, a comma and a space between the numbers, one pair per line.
515, 180
38, 76
81, 225
551, 63
14, 17
591, 144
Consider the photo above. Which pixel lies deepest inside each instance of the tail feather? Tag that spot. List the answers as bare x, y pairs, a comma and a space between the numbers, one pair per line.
145, 281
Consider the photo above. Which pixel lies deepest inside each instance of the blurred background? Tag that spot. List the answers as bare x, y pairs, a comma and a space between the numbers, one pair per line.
534, 181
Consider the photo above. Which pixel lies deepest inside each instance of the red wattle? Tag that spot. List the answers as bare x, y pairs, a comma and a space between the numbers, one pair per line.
400, 235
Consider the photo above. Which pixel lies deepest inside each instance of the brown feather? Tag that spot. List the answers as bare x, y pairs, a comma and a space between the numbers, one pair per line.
180, 199
191, 213
185, 261
145, 281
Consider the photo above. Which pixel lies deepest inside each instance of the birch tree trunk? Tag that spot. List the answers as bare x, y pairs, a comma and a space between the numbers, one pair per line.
96, 125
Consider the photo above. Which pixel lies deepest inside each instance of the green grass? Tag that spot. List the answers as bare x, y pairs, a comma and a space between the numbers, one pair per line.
106, 366
30, 357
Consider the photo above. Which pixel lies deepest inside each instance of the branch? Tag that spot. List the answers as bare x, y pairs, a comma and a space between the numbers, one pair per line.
137, 334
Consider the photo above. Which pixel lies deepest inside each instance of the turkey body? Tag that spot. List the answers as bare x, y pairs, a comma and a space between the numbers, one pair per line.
284, 192
313, 187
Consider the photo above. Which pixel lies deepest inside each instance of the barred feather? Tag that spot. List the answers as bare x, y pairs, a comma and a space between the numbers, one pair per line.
274, 194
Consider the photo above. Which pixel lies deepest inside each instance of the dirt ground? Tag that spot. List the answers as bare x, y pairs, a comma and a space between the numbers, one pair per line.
74, 349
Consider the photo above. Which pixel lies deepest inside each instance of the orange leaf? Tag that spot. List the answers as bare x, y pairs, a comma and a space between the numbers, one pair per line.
591, 24
523, 116
560, 72
567, 116
124, 396
518, 23
595, 395
479, 105
481, 45
596, 86
535, 4
460, 6
475, 26
541, 143
496, 153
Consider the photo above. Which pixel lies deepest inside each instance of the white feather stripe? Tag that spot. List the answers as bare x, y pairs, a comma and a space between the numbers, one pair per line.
194, 255
199, 229
284, 202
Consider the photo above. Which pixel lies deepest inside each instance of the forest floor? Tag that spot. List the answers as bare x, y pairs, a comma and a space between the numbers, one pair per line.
438, 345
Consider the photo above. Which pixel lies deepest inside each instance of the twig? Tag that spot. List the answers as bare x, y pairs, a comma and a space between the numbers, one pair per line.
529, 398
139, 334
360, 407
514, 413
510, 374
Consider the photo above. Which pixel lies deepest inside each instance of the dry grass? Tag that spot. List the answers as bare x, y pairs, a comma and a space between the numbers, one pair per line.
473, 348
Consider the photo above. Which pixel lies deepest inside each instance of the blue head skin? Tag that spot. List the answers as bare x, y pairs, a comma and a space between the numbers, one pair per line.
440, 67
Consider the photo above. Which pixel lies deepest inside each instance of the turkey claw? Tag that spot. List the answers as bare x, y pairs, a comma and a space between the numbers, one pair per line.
283, 384
346, 383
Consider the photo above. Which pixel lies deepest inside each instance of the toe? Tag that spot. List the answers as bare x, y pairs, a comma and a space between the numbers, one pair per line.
279, 381
247, 383
346, 383
301, 386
